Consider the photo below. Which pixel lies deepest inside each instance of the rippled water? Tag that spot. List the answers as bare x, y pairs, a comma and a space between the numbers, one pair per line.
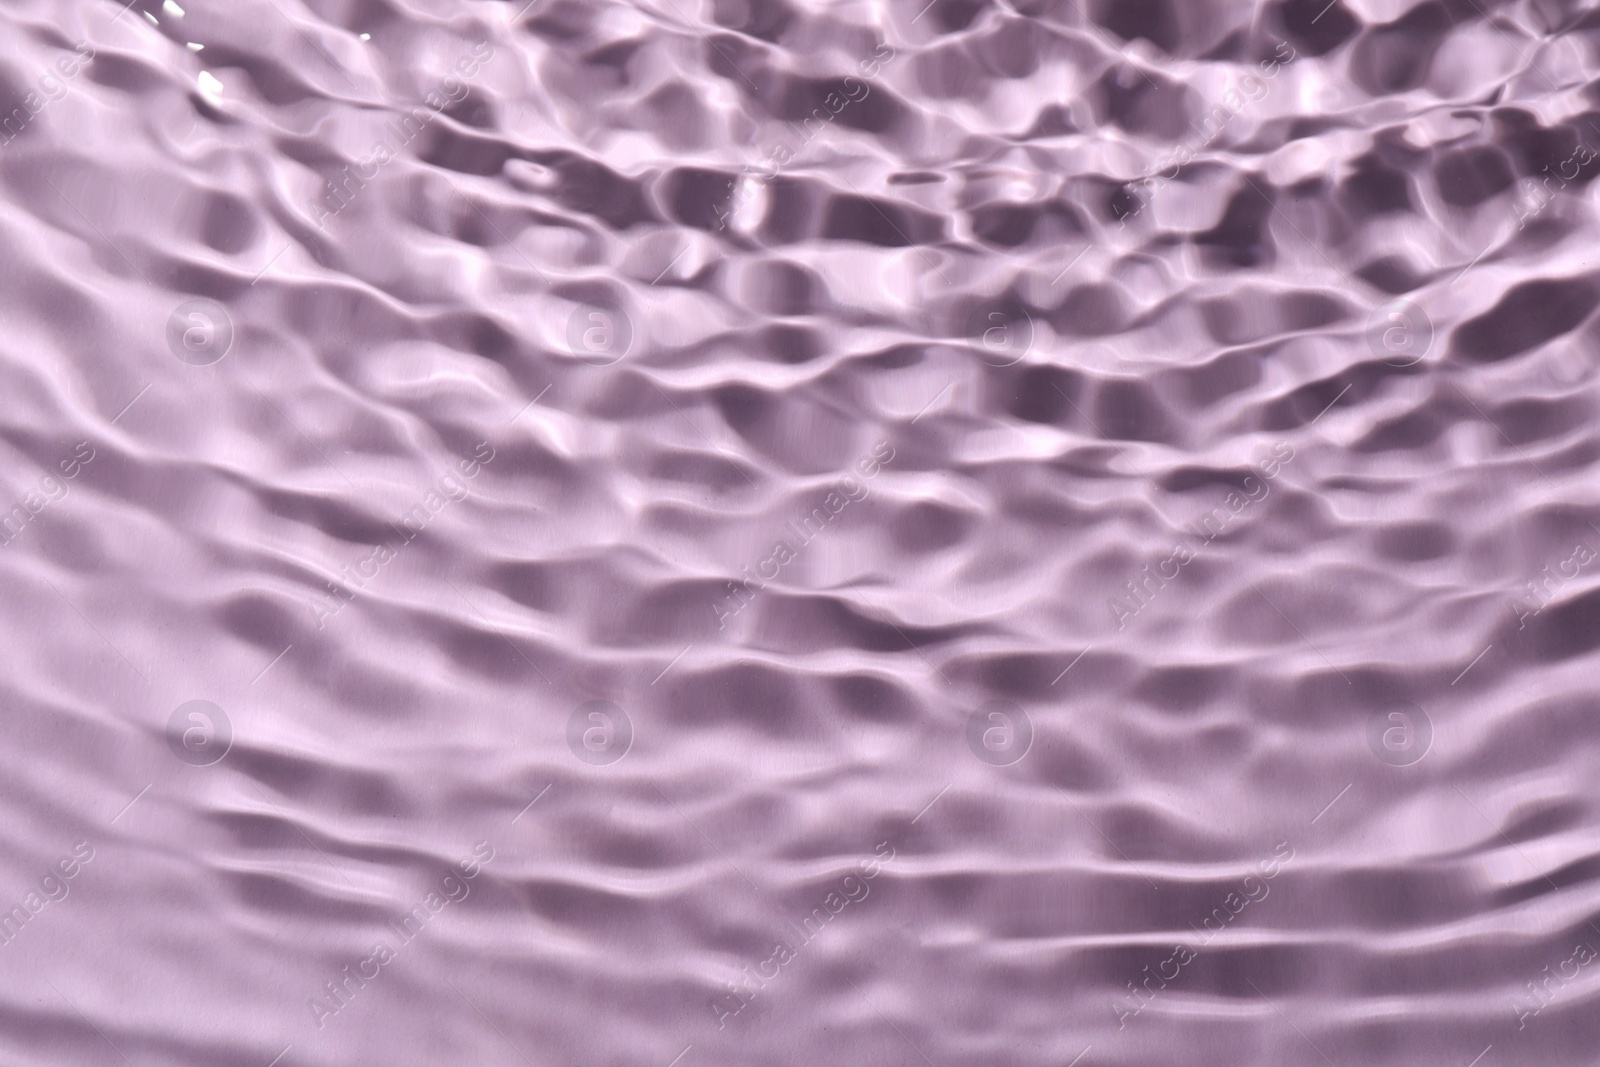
713, 532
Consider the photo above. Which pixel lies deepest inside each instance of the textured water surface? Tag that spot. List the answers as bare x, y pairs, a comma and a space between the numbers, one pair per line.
677, 533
